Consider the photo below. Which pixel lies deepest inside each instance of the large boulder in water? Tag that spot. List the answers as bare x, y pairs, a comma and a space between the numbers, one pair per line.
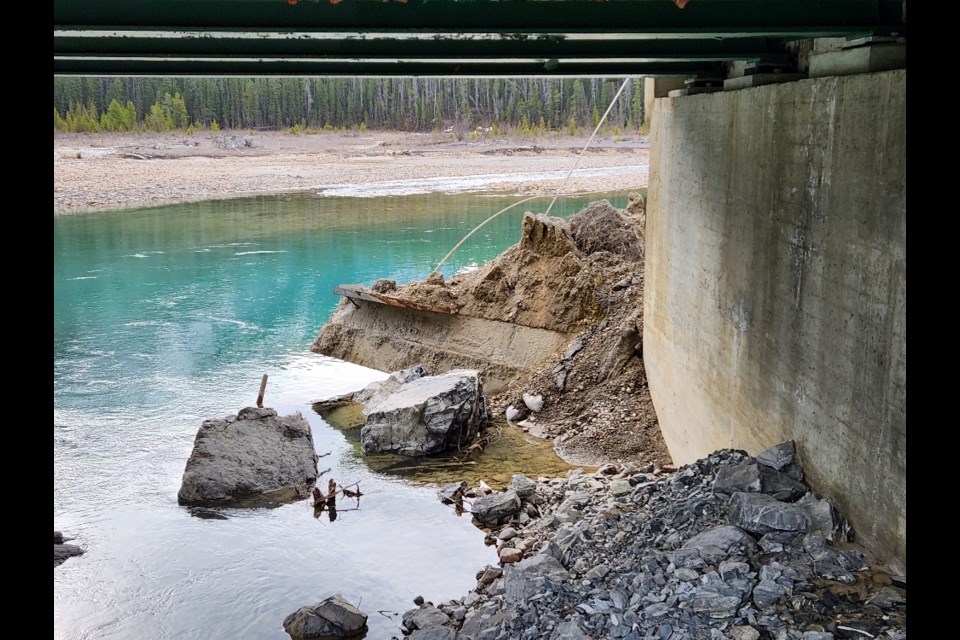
414, 414
331, 618
253, 453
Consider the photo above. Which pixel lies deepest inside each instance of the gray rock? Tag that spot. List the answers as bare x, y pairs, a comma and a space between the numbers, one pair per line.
744, 632
817, 635
887, 598
741, 477
63, 551
524, 486
382, 389
424, 415
433, 633
620, 487
767, 593
780, 485
823, 518
254, 453
448, 492
726, 537
57, 537
526, 578
760, 513
424, 617
331, 618
778, 456
497, 507
715, 601
569, 631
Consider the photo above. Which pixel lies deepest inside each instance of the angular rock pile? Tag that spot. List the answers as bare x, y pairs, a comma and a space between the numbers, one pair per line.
730, 546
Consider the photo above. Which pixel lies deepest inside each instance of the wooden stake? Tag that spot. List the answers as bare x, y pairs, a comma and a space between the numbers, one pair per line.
263, 387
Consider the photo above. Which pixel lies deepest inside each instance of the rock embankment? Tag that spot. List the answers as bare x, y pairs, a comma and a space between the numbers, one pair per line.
723, 548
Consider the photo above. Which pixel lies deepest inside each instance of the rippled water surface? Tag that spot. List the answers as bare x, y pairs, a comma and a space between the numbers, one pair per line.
165, 317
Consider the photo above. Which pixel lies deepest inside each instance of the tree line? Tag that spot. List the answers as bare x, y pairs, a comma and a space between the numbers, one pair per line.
406, 104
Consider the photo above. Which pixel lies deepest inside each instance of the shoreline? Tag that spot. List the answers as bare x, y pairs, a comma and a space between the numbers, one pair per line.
103, 172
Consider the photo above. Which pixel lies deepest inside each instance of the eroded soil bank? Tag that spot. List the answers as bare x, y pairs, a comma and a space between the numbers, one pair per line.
581, 279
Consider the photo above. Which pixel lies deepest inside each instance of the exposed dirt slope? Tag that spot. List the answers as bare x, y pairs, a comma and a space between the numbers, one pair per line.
582, 276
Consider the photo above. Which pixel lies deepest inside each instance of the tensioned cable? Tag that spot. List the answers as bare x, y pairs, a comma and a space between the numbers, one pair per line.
559, 190
580, 155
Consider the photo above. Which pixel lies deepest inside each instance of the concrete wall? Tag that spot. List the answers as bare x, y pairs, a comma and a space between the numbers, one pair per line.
775, 297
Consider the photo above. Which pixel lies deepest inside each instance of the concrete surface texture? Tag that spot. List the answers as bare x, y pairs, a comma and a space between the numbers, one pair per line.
775, 300
389, 339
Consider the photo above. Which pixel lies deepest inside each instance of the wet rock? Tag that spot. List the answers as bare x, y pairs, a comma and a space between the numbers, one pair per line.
253, 453
449, 493
760, 513
497, 507
331, 618
417, 415
62, 551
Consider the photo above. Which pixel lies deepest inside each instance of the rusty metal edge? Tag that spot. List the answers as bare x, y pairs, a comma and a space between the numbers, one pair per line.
358, 293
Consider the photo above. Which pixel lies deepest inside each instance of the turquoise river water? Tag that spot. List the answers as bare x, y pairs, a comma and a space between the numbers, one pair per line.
167, 316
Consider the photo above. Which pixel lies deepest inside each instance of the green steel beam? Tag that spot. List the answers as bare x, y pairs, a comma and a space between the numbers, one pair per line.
717, 16
382, 67
445, 37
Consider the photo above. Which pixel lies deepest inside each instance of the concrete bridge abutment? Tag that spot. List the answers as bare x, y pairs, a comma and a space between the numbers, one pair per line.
775, 285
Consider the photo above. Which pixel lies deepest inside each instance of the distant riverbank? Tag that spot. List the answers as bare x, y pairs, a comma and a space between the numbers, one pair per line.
117, 171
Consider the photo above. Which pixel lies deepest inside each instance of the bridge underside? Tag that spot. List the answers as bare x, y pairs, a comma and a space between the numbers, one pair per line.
573, 38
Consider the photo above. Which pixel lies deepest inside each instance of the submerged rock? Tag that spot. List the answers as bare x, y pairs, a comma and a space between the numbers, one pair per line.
62, 551
252, 453
415, 414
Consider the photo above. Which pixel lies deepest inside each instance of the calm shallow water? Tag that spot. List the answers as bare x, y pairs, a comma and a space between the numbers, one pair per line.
165, 317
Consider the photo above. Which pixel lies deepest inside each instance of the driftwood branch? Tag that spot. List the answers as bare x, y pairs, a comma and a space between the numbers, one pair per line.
328, 501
